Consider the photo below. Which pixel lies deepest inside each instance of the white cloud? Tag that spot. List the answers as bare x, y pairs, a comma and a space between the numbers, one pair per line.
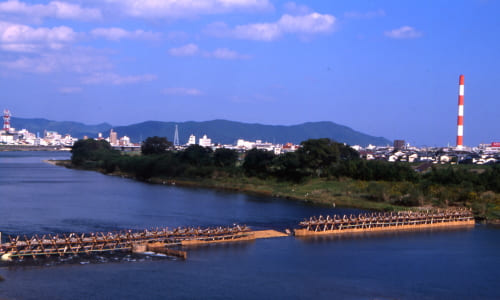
182, 91
93, 67
365, 15
311, 23
116, 34
22, 38
70, 90
259, 31
54, 9
405, 32
304, 25
79, 61
296, 9
116, 79
177, 36
186, 50
224, 53
188, 8
194, 50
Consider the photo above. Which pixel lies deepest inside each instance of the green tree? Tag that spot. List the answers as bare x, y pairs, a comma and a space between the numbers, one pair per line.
155, 145
225, 157
319, 155
197, 155
289, 167
258, 163
89, 150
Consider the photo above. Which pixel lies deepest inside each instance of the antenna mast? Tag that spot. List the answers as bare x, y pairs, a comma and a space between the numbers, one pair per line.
176, 136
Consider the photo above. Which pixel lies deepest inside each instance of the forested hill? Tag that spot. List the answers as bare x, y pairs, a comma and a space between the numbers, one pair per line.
220, 131
227, 132
76, 129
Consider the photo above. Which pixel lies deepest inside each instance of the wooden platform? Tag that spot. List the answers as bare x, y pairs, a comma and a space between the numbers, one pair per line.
266, 234
250, 236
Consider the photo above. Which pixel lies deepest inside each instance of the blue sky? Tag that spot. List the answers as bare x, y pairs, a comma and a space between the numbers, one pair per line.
386, 68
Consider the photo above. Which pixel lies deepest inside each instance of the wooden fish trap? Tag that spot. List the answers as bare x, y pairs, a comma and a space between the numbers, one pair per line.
88, 243
384, 221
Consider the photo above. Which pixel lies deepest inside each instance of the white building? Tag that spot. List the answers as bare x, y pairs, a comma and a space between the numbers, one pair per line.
242, 144
192, 140
124, 141
264, 146
6, 139
205, 141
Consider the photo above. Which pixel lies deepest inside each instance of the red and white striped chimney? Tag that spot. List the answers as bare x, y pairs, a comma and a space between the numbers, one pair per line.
6, 120
460, 121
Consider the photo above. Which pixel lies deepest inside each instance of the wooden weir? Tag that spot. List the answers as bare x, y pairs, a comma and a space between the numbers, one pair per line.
72, 244
163, 239
402, 220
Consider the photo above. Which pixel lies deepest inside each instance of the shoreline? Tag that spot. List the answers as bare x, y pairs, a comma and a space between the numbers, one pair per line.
258, 187
250, 188
14, 148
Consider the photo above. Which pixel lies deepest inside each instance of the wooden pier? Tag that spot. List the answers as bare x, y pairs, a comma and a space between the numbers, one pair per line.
394, 221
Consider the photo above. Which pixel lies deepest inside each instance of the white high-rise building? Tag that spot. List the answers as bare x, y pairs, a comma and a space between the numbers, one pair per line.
192, 140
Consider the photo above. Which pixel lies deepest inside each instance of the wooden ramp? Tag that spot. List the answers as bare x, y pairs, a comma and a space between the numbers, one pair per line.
247, 236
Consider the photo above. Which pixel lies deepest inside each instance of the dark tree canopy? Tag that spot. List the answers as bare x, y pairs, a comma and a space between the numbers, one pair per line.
225, 157
155, 145
318, 155
89, 149
288, 167
258, 162
197, 155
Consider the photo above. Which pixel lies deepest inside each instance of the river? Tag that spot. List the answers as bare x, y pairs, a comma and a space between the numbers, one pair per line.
39, 198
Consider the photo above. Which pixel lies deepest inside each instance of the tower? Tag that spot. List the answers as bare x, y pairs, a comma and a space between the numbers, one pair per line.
460, 120
113, 138
6, 120
176, 136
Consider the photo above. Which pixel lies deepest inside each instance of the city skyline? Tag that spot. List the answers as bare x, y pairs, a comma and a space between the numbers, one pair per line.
382, 68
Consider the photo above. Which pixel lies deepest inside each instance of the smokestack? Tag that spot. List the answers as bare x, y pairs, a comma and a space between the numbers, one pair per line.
460, 121
6, 120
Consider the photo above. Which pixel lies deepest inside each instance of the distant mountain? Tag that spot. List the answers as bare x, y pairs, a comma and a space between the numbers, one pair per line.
74, 128
220, 131
227, 132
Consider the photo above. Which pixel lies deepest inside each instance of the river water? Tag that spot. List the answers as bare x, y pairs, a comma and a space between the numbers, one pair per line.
38, 198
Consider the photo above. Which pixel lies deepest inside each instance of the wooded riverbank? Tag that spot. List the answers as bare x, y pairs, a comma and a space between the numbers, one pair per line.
320, 171
317, 191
